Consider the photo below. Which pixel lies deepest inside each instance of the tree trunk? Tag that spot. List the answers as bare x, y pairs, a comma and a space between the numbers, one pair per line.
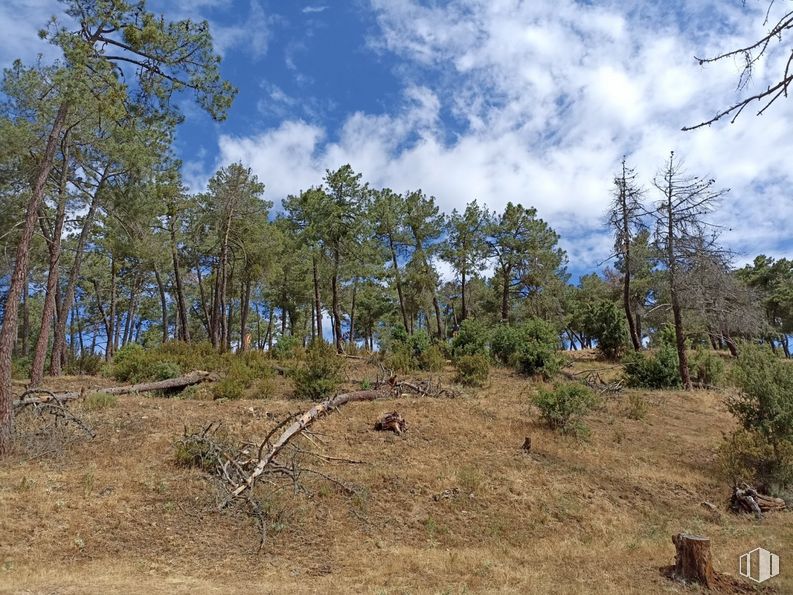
183, 332
352, 313
626, 280
505, 297
693, 561
464, 305
163, 304
335, 302
245, 300
680, 338
59, 338
48, 312
398, 282
269, 334
25, 334
18, 279
206, 319
110, 349
437, 309
317, 303
731, 345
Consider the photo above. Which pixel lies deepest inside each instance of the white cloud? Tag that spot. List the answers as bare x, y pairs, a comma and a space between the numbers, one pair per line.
314, 9
553, 94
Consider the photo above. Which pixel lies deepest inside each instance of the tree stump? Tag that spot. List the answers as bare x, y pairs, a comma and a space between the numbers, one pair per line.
693, 562
391, 422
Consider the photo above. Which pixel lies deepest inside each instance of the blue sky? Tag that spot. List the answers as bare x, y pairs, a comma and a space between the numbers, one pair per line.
498, 100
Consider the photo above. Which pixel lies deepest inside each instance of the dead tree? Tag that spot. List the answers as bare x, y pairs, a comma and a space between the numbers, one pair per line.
181, 382
682, 234
769, 45
625, 219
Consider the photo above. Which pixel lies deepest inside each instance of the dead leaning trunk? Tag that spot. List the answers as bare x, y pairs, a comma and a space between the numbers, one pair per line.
8, 333
693, 561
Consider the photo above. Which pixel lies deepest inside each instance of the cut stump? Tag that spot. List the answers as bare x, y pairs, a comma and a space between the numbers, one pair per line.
693, 562
391, 422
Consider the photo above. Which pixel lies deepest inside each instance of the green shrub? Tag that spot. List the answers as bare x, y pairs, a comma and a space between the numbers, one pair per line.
100, 400
472, 370
472, 338
538, 359
432, 359
132, 364
416, 351
608, 328
532, 348
748, 457
321, 373
705, 367
20, 368
505, 344
564, 407
286, 347
88, 363
664, 336
165, 370
399, 359
764, 403
652, 370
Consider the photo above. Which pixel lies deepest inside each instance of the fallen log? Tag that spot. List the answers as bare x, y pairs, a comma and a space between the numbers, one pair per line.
181, 382
303, 422
746, 499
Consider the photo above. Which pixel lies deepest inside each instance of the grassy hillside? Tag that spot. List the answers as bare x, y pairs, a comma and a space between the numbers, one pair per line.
454, 505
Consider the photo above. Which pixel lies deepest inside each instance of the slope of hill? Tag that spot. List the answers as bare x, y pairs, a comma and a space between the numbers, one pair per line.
454, 505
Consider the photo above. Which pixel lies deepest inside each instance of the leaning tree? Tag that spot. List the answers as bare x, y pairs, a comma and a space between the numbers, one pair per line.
121, 54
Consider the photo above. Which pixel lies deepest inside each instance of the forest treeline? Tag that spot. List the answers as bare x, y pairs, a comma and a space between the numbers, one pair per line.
103, 246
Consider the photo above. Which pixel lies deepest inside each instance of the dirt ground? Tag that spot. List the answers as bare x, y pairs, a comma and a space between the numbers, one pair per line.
452, 506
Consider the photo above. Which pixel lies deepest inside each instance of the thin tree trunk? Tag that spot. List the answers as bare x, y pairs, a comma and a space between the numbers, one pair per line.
352, 313
183, 332
48, 312
505, 296
626, 279
204, 309
245, 299
110, 349
268, 337
317, 303
163, 304
59, 338
335, 304
398, 282
464, 313
102, 312
437, 308
75, 315
680, 338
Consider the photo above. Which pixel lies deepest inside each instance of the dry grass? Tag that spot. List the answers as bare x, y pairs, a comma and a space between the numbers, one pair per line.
116, 515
